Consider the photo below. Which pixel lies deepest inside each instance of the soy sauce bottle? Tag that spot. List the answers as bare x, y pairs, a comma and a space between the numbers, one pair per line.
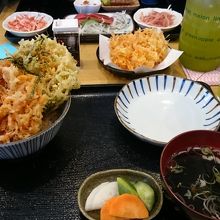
66, 31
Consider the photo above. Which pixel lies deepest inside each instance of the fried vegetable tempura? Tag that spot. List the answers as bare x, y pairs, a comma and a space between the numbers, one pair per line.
146, 47
21, 104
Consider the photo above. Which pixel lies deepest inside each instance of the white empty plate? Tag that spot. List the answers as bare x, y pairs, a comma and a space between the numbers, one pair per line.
159, 107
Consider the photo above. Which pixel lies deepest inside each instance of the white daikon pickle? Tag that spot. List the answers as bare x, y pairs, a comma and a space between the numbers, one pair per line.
100, 195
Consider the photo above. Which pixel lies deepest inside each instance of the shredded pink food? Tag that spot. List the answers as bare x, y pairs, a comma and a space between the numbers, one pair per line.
158, 19
27, 23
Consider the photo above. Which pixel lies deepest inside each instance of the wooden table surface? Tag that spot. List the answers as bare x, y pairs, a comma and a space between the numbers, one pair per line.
91, 72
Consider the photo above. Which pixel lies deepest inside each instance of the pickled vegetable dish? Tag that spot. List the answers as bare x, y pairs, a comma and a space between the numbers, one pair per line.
121, 199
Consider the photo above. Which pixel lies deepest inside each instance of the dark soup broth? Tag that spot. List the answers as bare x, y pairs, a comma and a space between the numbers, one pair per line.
194, 176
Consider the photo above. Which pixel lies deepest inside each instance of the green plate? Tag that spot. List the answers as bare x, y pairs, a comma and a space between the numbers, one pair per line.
110, 175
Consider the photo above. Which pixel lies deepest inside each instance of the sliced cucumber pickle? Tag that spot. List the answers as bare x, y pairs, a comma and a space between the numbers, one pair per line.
146, 194
124, 186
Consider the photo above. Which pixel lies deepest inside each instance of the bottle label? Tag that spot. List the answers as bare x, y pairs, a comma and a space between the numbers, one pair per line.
200, 36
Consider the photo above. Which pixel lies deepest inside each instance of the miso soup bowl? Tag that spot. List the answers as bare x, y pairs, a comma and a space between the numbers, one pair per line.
181, 143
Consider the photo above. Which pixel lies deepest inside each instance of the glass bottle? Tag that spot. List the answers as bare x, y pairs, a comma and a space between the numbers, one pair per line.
200, 35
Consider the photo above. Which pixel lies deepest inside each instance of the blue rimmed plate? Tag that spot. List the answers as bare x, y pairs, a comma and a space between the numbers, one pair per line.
159, 107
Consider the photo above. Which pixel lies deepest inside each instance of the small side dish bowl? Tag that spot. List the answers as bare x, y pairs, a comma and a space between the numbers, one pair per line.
87, 6
32, 144
159, 107
187, 163
27, 23
110, 175
157, 18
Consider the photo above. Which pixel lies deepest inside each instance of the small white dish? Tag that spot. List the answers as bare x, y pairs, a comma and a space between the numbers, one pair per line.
159, 107
87, 6
38, 15
177, 18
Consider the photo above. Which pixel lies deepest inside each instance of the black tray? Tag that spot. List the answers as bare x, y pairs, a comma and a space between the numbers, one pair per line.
62, 8
45, 185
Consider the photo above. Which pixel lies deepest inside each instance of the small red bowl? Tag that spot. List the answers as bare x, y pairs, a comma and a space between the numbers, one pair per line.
181, 143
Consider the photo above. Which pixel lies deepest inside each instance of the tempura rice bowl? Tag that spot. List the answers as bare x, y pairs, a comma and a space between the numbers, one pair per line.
34, 143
